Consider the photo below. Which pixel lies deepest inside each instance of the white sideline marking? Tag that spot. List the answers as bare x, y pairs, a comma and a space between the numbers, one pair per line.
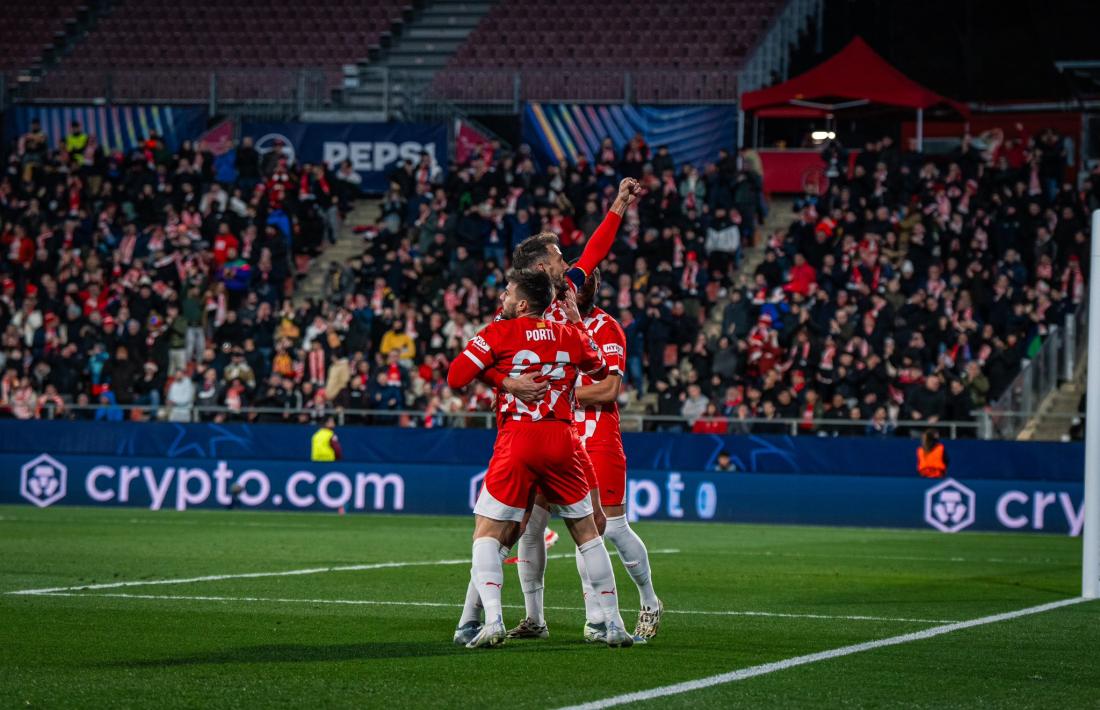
765, 668
447, 605
285, 573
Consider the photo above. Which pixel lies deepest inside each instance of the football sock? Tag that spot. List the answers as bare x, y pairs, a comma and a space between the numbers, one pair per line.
592, 612
532, 563
634, 555
489, 575
602, 577
471, 608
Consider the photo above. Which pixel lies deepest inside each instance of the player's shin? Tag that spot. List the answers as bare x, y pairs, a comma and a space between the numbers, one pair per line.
602, 577
471, 608
489, 575
532, 563
635, 557
592, 612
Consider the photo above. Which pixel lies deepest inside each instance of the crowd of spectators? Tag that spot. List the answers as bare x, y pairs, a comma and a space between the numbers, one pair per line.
912, 289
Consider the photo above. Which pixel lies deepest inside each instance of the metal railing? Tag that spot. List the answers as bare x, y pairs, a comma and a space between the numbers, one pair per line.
296, 90
630, 421
1055, 362
506, 89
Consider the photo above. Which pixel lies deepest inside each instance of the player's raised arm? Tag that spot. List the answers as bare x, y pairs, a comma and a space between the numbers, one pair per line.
599, 244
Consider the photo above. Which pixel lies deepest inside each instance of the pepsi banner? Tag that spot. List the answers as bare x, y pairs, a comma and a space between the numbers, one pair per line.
947, 506
373, 148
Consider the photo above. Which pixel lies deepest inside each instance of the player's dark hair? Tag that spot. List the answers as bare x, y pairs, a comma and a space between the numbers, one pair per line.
534, 287
533, 249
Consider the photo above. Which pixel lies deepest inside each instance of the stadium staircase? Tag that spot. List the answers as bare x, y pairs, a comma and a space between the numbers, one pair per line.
37, 35
410, 63
348, 245
1056, 414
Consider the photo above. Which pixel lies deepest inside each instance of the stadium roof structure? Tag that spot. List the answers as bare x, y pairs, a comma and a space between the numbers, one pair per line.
855, 76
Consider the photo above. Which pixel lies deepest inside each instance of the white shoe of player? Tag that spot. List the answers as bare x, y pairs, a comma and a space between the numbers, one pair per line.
550, 538
595, 633
491, 635
465, 634
649, 621
617, 637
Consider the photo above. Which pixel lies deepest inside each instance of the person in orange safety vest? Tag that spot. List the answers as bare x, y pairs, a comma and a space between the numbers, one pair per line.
931, 457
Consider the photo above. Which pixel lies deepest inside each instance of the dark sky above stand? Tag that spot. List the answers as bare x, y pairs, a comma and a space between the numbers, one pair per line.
972, 50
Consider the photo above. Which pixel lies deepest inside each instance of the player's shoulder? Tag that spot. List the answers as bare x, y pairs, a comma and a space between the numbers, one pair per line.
566, 332
562, 329
493, 332
600, 321
600, 313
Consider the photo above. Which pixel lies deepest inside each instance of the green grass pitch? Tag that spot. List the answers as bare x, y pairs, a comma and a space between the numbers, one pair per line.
737, 596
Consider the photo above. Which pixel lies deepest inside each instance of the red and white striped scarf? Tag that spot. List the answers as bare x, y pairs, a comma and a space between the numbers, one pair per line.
688, 278
316, 360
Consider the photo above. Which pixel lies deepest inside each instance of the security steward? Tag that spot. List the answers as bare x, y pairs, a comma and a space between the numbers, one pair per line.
931, 456
325, 446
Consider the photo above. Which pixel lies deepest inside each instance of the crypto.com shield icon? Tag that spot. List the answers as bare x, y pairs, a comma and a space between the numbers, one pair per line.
43, 480
949, 506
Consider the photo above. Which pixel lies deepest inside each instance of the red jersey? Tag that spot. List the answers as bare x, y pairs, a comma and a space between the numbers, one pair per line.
599, 424
520, 345
222, 244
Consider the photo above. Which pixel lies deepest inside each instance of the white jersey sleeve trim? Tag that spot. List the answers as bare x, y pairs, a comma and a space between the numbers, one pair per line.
473, 357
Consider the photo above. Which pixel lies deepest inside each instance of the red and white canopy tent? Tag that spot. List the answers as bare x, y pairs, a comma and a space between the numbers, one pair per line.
854, 77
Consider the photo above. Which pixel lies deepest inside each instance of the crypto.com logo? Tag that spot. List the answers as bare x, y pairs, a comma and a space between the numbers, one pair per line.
43, 480
949, 506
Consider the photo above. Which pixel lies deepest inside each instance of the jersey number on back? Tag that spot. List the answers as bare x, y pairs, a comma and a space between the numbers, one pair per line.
553, 370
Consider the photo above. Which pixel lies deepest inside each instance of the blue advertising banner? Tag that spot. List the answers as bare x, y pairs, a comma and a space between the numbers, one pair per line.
560, 133
372, 148
804, 455
864, 501
120, 128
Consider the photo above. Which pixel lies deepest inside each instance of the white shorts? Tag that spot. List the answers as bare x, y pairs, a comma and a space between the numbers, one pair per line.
489, 507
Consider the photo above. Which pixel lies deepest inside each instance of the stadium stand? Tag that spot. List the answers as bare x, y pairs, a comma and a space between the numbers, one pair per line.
912, 289
573, 54
141, 47
575, 33
28, 29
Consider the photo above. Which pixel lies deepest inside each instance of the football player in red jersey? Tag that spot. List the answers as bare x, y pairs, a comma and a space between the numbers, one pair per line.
597, 423
536, 447
542, 252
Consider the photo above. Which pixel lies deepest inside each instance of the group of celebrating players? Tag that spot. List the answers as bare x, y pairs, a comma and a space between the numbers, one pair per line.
556, 362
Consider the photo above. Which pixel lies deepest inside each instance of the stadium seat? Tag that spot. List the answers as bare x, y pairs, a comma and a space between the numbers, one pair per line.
197, 35
555, 36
